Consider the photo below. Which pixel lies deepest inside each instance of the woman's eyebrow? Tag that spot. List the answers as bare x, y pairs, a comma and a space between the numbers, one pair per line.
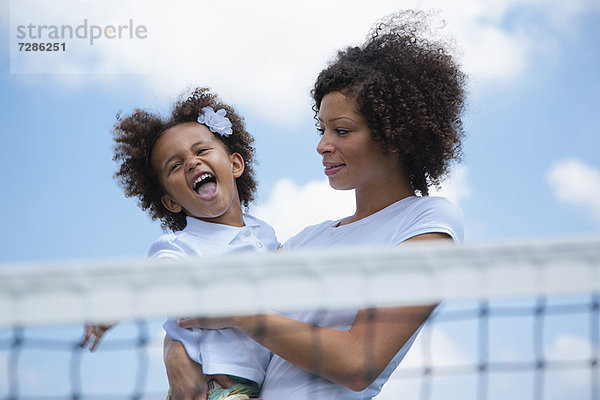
337, 119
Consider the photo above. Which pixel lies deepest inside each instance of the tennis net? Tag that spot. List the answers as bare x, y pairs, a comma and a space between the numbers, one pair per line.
516, 320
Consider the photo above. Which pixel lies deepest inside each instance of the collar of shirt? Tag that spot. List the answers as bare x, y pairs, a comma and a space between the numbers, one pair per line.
218, 233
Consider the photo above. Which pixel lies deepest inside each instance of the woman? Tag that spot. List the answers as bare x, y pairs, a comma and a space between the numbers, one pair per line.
389, 115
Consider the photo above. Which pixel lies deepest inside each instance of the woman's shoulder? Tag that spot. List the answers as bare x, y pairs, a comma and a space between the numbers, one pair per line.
440, 207
434, 214
413, 207
435, 203
308, 234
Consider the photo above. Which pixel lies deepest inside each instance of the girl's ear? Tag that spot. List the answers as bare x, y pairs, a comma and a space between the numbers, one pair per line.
171, 204
237, 164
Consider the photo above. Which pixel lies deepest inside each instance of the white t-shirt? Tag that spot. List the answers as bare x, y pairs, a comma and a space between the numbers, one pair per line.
225, 351
391, 226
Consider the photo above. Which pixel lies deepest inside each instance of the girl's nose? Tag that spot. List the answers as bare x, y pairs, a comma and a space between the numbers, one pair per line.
192, 162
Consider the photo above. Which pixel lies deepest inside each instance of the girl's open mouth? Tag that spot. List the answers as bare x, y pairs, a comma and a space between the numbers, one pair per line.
205, 186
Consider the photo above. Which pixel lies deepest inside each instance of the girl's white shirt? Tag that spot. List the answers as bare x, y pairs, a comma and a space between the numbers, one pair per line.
225, 351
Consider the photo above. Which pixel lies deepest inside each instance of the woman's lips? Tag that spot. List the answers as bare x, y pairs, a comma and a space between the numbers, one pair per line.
332, 169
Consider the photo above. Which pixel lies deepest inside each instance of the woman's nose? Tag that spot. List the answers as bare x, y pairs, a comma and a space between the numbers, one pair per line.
325, 144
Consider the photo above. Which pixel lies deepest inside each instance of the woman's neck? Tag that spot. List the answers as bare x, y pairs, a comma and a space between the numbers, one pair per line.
369, 204
375, 198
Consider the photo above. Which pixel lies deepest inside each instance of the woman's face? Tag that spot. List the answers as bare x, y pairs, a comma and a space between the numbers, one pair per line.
351, 158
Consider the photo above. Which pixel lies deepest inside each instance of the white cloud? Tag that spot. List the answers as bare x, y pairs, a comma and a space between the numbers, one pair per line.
456, 188
577, 184
569, 347
444, 351
264, 55
291, 207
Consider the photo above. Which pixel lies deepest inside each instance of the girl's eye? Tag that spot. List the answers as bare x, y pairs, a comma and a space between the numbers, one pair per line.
200, 151
174, 167
341, 131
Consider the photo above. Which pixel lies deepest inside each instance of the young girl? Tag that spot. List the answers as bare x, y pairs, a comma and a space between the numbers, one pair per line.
389, 115
194, 172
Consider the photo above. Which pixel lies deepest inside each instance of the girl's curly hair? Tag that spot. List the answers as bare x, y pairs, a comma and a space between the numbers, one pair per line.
410, 91
136, 134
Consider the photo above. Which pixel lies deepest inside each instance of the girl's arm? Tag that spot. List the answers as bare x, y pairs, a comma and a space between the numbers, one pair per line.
186, 380
352, 358
93, 333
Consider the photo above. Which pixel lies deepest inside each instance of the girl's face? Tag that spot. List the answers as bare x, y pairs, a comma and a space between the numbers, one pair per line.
351, 158
198, 174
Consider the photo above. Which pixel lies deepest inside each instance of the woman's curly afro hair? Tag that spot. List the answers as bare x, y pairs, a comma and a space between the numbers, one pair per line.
136, 134
410, 91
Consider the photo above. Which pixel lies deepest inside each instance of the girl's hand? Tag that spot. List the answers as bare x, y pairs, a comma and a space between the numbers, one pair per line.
223, 380
96, 332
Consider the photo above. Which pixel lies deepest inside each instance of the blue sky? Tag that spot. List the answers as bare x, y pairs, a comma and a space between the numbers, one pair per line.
531, 166
532, 106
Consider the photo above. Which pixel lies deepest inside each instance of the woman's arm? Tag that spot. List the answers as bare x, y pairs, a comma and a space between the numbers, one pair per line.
352, 358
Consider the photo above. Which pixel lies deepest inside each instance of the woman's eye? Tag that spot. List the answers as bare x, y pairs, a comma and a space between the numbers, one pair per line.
340, 131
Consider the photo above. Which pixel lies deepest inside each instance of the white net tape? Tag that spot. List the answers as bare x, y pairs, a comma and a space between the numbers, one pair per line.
55, 292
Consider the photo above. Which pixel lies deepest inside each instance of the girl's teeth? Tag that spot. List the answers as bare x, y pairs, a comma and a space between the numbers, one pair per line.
200, 178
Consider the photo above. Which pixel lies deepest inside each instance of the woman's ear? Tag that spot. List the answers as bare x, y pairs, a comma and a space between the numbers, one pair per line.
237, 164
171, 204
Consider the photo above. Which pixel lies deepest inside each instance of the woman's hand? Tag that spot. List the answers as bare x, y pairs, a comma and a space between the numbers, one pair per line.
211, 323
95, 331
186, 380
